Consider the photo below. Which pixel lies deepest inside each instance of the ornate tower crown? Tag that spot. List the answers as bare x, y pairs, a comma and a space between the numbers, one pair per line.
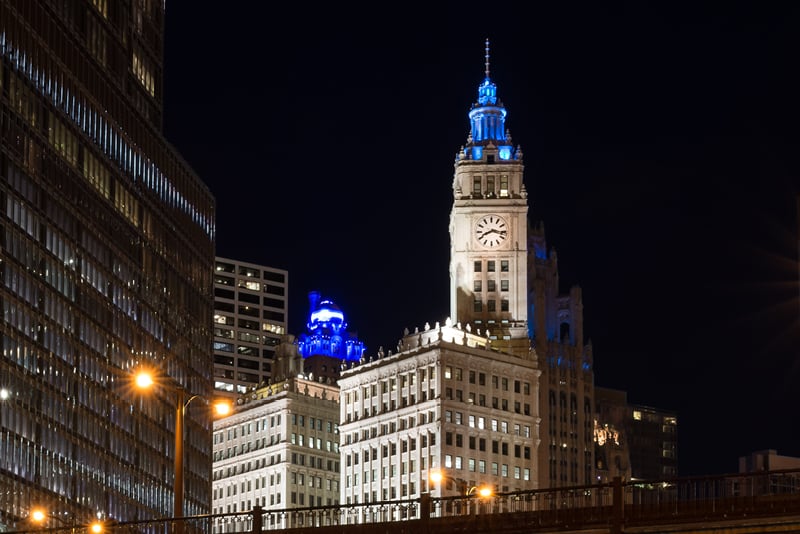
488, 122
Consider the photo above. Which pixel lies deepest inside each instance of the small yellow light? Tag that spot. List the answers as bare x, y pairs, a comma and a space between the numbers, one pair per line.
436, 476
222, 407
144, 380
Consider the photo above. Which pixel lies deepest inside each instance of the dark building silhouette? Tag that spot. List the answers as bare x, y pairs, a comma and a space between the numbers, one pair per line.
634, 441
107, 262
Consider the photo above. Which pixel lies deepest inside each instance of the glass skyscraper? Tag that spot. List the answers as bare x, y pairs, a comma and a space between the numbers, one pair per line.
106, 264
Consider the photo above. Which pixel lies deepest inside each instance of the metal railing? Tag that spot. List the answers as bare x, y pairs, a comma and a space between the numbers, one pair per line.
613, 505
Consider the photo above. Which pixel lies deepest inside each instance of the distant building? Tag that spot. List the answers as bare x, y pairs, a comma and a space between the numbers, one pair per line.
767, 460
612, 453
280, 448
633, 441
250, 316
446, 401
107, 258
652, 436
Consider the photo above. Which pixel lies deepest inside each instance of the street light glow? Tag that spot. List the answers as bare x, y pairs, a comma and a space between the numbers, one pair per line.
38, 515
144, 380
222, 408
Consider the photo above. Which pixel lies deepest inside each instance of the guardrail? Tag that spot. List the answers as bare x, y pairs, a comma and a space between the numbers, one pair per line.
614, 505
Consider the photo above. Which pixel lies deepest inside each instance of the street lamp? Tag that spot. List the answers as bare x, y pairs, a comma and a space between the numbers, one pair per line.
437, 476
144, 380
39, 516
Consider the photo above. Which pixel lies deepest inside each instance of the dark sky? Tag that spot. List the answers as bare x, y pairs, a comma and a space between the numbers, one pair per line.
661, 153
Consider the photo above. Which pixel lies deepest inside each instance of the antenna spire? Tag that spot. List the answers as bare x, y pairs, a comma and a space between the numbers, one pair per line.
487, 58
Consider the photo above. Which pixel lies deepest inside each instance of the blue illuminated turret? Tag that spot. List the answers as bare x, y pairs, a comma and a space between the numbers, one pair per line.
488, 122
327, 333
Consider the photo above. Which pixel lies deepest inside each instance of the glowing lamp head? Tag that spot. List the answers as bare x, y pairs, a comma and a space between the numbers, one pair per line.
38, 515
222, 408
436, 476
96, 527
484, 492
144, 380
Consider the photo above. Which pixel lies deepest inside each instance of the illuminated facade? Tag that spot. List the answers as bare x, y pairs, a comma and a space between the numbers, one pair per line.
250, 314
505, 282
281, 446
279, 450
446, 401
107, 261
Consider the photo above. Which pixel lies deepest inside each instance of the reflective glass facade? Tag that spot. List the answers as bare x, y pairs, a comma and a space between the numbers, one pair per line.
106, 262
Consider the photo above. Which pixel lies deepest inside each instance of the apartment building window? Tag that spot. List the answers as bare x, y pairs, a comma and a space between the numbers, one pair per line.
503, 266
491, 285
504, 305
477, 266
504, 285
477, 306
490, 266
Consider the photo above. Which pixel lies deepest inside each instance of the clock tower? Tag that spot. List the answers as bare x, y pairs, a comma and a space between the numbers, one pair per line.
489, 224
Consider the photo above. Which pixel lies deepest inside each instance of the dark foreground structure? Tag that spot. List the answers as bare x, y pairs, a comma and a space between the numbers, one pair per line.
731, 503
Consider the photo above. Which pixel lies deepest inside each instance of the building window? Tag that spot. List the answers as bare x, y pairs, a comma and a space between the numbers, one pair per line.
490, 266
476, 185
491, 285
503, 185
490, 305
503, 266
477, 286
503, 285
477, 306
477, 266
490, 186
504, 305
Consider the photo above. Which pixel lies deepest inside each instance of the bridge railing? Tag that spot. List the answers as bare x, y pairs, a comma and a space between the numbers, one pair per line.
613, 505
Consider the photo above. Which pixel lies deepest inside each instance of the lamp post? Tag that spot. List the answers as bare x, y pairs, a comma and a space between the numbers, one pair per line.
484, 491
144, 380
437, 476
39, 516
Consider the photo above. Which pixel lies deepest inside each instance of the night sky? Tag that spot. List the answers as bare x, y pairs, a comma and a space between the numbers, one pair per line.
660, 148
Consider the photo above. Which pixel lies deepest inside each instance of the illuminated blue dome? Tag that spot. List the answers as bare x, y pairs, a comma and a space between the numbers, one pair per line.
327, 317
327, 332
488, 122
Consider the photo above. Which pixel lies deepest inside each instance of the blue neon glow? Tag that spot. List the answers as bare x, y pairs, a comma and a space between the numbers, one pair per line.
327, 333
488, 123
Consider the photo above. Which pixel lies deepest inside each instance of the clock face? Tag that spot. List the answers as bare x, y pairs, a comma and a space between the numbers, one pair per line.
491, 231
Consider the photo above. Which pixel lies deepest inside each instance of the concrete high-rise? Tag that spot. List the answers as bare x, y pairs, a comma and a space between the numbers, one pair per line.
250, 314
108, 241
